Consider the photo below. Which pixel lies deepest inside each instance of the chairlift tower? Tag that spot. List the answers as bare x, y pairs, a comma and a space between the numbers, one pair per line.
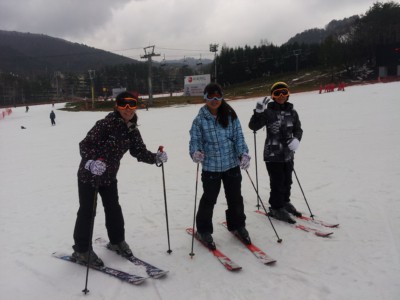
214, 48
199, 63
149, 53
297, 53
92, 75
57, 75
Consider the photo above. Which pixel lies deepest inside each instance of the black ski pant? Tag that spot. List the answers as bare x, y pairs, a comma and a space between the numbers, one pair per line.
53, 122
113, 214
232, 180
280, 180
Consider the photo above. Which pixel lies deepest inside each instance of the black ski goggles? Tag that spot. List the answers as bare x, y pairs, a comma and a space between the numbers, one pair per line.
213, 96
127, 103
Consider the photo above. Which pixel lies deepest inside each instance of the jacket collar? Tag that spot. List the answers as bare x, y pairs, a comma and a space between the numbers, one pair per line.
206, 113
276, 106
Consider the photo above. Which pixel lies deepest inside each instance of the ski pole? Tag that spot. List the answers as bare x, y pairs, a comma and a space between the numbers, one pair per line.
305, 199
266, 213
96, 191
265, 101
160, 149
255, 158
194, 214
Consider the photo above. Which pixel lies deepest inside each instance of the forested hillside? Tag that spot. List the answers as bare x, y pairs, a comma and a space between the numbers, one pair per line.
37, 68
36, 53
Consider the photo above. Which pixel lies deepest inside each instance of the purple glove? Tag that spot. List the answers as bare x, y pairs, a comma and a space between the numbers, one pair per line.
245, 161
294, 144
198, 157
96, 167
161, 157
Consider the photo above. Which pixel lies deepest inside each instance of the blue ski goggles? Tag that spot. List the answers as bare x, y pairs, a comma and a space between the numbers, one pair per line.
213, 96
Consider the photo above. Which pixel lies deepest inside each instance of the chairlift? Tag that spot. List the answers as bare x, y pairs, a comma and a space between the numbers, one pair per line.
199, 62
163, 62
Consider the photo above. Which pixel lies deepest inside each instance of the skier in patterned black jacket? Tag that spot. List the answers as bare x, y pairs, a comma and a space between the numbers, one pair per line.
102, 150
283, 138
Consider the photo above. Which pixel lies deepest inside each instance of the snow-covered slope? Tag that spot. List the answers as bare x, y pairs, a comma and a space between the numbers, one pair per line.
348, 164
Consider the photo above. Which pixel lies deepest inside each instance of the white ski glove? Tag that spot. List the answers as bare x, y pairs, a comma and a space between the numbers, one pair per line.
161, 157
261, 105
245, 161
294, 144
96, 167
198, 157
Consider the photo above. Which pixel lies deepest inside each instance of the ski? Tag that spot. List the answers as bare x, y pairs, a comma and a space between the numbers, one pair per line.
129, 278
225, 260
319, 222
261, 255
151, 270
302, 227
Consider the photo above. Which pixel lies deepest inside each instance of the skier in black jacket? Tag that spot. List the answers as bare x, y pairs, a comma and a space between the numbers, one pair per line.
52, 118
102, 150
284, 134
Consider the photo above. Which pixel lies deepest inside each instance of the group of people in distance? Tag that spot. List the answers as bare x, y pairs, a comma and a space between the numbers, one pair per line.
330, 87
216, 142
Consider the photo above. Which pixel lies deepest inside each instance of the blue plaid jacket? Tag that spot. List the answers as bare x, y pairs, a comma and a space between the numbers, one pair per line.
222, 147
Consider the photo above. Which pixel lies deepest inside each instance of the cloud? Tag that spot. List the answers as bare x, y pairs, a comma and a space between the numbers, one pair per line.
177, 27
61, 18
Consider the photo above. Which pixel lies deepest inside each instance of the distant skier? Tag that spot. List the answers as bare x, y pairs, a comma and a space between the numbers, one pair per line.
283, 138
26, 108
52, 118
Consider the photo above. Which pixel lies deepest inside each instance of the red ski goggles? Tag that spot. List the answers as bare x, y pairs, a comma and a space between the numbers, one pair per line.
278, 92
127, 103
213, 96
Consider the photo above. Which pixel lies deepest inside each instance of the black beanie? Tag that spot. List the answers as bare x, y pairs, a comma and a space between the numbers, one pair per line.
212, 88
125, 94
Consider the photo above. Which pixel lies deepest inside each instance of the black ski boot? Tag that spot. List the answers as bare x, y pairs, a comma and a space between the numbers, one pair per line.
121, 249
83, 257
243, 234
206, 239
281, 214
292, 210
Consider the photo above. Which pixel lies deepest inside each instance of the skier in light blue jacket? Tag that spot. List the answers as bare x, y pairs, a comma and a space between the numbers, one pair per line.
217, 142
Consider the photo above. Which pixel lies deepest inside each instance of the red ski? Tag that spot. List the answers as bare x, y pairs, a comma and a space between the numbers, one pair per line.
319, 222
261, 255
225, 260
302, 227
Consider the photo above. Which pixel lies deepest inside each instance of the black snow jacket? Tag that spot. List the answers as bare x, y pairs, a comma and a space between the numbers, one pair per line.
283, 124
109, 140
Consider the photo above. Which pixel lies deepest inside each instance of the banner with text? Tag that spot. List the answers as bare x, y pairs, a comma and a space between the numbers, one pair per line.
194, 85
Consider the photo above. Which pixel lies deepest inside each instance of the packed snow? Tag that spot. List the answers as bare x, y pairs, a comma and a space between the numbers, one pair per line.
348, 165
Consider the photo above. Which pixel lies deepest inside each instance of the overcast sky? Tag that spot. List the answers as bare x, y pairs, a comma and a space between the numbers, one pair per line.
177, 28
